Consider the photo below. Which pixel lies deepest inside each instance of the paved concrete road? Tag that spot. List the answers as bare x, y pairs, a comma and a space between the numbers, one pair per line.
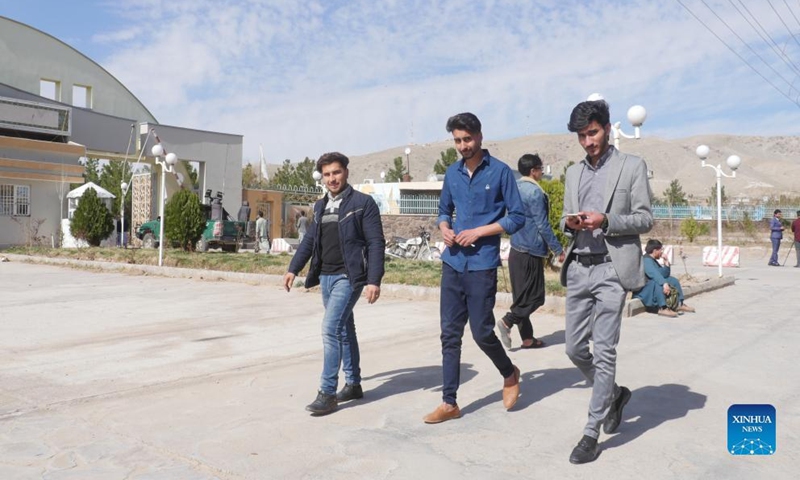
114, 376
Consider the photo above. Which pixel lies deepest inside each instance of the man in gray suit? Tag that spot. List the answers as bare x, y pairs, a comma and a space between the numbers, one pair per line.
606, 208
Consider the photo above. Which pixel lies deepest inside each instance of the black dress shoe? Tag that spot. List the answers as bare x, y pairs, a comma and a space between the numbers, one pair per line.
585, 451
323, 405
615, 412
350, 392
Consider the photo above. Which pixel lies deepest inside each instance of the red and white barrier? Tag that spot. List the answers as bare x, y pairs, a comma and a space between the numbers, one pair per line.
666, 252
280, 245
730, 256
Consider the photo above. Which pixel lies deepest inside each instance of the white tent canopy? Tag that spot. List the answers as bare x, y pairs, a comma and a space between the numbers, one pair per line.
101, 192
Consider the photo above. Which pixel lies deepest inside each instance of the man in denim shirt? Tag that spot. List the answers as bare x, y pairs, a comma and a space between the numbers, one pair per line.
479, 202
529, 248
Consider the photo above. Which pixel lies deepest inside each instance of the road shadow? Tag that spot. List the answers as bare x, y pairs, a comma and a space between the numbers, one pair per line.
534, 386
651, 406
403, 380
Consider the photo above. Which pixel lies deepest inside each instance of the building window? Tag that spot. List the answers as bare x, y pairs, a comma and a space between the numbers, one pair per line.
82, 96
15, 200
50, 89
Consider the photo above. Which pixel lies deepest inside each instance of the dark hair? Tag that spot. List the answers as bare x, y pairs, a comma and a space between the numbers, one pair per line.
332, 157
777, 211
798, 214
303, 213
464, 121
260, 213
528, 162
652, 244
587, 112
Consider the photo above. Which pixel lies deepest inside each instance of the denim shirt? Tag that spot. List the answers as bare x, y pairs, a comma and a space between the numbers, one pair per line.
489, 196
537, 236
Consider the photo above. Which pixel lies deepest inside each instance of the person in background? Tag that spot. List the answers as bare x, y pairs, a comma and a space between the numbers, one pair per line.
302, 225
776, 229
796, 230
655, 292
529, 248
262, 232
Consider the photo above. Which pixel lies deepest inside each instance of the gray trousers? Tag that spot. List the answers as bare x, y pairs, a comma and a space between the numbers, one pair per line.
595, 299
797, 252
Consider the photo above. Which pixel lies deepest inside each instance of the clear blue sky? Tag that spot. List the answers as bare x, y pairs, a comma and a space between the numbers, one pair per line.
306, 77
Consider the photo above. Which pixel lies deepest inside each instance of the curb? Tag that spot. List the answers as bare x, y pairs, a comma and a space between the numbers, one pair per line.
553, 304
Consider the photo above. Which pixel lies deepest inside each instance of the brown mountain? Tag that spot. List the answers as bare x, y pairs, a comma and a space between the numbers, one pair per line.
770, 165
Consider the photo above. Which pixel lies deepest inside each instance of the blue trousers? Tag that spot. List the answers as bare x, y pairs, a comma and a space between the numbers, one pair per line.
339, 342
468, 296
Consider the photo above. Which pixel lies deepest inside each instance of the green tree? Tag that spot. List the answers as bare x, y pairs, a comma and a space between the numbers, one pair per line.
91, 171
448, 158
555, 193
713, 199
184, 219
674, 194
295, 176
691, 228
193, 174
396, 174
112, 175
91, 222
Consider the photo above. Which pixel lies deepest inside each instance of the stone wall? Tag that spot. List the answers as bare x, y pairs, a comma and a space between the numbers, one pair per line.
408, 226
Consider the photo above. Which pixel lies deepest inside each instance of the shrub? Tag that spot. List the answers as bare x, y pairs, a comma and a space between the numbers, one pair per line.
555, 193
91, 222
185, 221
691, 228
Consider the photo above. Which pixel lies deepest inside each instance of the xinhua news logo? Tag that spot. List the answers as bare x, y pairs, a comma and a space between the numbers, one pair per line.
751, 429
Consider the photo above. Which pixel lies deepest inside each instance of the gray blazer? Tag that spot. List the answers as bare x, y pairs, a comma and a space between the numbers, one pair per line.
627, 201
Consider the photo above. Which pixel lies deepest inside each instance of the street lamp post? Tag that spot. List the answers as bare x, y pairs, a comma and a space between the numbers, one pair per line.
408, 163
167, 165
636, 115
733, 163
124, 187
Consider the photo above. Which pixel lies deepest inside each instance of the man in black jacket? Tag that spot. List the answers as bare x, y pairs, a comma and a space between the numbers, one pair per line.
346, 247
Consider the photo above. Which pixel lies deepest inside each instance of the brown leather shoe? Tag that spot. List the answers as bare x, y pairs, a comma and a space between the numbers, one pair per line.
686, 308
511, 389
666, 312
443, 413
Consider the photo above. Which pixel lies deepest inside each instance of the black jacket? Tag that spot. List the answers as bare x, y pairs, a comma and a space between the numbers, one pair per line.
360, 237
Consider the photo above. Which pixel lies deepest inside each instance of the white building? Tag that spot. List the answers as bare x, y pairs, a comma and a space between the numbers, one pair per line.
58, 106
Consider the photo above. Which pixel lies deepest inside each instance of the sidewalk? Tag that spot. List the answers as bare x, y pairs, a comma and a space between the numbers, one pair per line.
112, 376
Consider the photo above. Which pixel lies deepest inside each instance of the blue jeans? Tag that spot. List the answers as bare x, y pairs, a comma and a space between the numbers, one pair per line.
468, 296
340, 346
776, 245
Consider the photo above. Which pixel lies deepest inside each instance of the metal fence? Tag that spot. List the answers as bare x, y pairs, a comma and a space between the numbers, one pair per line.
417, 204
729, 212
420, 204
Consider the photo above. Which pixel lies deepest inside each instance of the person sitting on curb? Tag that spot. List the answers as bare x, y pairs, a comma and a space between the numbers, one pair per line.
654, 293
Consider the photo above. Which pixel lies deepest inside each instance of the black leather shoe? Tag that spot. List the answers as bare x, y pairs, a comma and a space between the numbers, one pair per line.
585, 451
615, 412
323, 405
350, 392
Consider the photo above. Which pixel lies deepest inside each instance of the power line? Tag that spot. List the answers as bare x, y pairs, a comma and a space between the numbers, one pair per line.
791, 11
784, 23
737, 54
747, 45
769, 40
